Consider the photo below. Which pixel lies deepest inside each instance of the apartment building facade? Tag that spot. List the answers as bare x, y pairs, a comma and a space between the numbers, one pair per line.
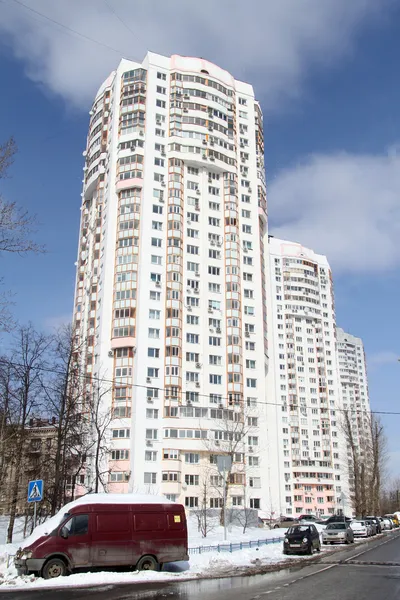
305, 381
171, 288
356, 419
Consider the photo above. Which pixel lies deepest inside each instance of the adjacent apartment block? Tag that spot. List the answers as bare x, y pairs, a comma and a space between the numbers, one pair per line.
356, 417
305, 380
172, 278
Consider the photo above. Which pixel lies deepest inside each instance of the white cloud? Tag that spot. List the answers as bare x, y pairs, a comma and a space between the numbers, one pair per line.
345, 206
272, 43
386, 357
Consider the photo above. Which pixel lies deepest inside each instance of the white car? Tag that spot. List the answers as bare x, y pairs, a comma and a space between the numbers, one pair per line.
386, 524
360, 529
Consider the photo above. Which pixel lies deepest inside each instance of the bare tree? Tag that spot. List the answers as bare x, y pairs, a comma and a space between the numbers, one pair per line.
203, 513
27, 359
366, 461
98, 416
64, 393
229, 438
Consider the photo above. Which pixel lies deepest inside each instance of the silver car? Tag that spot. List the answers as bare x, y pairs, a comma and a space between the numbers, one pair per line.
337, 533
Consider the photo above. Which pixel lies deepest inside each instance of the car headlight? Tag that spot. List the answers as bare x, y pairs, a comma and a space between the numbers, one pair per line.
26, 554
305, 540
286, 540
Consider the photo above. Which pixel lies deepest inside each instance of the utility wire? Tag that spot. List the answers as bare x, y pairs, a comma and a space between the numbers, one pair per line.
119, 18
89, 378
67, 28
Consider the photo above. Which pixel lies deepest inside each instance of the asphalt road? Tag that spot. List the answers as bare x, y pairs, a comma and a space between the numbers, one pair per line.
368, 572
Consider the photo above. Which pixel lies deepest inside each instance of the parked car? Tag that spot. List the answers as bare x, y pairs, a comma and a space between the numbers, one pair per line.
301, 539
103, 530
309, 518
386, 524
284, 522
377, 523
338, 519
393, 518
360, 529
338, 533
372, 525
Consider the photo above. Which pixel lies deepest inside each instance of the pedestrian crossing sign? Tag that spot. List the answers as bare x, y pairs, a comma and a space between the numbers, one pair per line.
35, 490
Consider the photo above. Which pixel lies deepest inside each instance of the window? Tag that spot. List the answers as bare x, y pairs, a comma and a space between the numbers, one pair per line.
154, 333
161, 76
121, 433
192, 320
192, 338
237, 500
215, 360
255, 482
153, 352
250, 345
215, 379
161, 90
156, 242
253, 440
254, 461
154, 314
156, 225
151, 434
192, 458
255, 503
215, 288
250, 364
157, 209
192, 171
171, 454
156, 260
119, 454
78, 525
150, 478
191, 479
150, 455
214, 341
191, 501
161, 103
151, 413
251, 383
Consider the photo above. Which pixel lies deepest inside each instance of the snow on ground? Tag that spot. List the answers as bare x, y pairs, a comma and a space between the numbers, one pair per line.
207, 563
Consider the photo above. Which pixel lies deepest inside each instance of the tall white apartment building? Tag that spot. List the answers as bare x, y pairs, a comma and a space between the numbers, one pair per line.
355, 396
171, 278
305, 381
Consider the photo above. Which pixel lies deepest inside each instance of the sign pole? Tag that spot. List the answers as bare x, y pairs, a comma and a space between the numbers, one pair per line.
224, 505
34, 515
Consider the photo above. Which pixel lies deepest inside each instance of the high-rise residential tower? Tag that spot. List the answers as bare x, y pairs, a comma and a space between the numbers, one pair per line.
305, 380
171, 278
356, 418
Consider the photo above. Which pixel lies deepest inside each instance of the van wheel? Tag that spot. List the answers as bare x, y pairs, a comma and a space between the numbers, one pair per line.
55, 567
147, 563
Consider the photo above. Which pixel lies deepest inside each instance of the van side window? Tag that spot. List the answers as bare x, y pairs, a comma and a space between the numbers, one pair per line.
78, 525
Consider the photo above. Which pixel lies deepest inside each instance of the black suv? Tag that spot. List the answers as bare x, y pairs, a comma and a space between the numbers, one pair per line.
338, 519
301, 539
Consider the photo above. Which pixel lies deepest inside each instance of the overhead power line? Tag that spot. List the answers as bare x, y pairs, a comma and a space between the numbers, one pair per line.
183, 392
70, 30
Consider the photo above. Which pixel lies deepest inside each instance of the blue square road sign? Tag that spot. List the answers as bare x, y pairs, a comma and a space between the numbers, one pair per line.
35, 490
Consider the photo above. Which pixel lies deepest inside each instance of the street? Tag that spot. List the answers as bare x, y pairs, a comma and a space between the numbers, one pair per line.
369, 572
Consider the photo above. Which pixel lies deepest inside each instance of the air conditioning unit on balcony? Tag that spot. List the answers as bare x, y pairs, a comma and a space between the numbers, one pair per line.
249, 190
245, 249
218, 330
210, 310
212, 158
250, 449
196, 291
162, 200
219, 244
217, 442
197, 274
186, 97
149, 443
158, 121
141, 133
205, 142
150, 399
185, 110
110, 353
221, 406
211, 330
163, 153
158, 284
204, 157
189, 308
198, 192
197, 384
198, 365
212, 243
189, 403
148, 379
197, 207
212, 143
247, 333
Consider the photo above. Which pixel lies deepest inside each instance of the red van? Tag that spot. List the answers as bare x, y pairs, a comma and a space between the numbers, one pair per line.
108, 535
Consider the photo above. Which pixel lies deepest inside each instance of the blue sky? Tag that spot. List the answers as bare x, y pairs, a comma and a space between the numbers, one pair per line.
327, 81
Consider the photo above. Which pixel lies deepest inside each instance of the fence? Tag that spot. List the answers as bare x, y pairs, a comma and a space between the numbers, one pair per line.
237, 546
